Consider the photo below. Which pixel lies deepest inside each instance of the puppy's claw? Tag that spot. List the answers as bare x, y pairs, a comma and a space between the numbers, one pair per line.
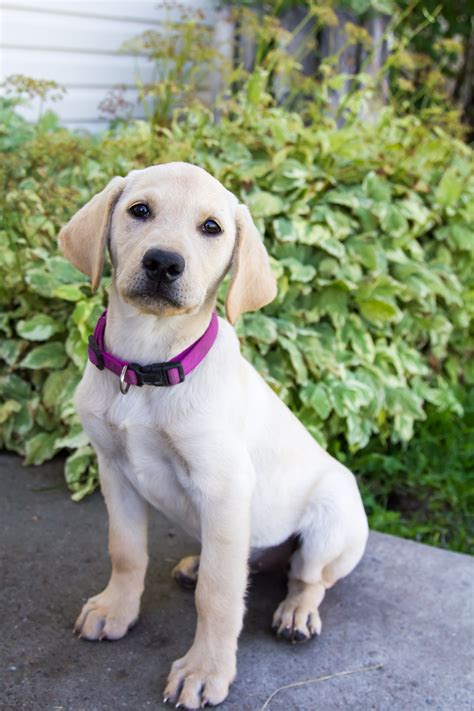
300, 636
286, 633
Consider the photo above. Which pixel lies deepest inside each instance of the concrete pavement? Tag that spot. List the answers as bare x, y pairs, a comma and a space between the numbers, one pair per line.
407, 606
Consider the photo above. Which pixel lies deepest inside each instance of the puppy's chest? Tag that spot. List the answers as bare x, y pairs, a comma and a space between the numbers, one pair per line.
150, 459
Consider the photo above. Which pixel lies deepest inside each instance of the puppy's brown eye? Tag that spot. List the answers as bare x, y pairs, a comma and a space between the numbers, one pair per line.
211, 227
140, 210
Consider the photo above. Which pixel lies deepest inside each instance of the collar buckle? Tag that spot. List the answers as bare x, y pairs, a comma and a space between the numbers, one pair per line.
158, 373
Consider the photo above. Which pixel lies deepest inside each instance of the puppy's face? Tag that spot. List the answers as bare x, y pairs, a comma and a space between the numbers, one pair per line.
172, 237
173, 231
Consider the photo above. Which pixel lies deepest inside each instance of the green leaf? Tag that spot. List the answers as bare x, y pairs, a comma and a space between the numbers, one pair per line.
263, 204
316, 396
77, 464
414, 209
256, 86
378, 311
63, 271
10, 350
55, 386
394, 222
40, 281
360, 338
285, 229
333, 301
458, 235
75, 439
377, 188
350, 395
8, 408
261, 328
40, 448
358, 431
450, 188
76, 348
403, 401
347, 198
49, 355
295, 170
296, 359
386, 7
38, 328
368, 252
340, 223
69, 292
12, 386
368, 220
4, 326
321, 237
298, 271
403, 428
85, 315
23, 421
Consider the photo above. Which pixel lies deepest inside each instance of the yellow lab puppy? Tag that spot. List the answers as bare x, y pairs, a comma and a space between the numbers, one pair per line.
217, 452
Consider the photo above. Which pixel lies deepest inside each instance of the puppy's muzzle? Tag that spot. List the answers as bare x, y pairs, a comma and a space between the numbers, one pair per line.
163, 267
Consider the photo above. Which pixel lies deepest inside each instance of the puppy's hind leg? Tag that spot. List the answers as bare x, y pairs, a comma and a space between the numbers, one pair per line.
186, 572
333, 537
268, 559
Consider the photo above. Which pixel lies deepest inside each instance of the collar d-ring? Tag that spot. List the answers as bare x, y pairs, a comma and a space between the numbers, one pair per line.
124, 387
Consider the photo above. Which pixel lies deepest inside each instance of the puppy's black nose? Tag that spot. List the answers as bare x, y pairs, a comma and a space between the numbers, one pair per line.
159, 264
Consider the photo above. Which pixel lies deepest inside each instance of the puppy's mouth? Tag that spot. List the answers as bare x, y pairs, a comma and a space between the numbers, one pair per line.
155, 296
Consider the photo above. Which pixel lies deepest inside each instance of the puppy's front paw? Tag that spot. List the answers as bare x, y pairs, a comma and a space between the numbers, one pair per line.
107, 616
197, 680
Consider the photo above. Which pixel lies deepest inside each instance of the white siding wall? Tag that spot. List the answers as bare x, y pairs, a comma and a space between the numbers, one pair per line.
76, 44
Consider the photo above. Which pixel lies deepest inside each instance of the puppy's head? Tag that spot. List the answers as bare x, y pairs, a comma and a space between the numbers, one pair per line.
173, 231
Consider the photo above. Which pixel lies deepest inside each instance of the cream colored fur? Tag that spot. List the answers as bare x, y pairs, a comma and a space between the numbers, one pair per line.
219, 454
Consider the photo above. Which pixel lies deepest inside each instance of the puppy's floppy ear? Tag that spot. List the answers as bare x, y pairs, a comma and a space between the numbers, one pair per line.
84, 238
252, 283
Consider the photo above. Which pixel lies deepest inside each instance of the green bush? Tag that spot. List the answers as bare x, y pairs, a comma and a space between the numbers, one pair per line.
424, 490
370, 229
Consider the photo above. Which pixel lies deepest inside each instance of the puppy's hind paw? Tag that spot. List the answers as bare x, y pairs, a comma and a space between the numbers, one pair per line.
296, 622
186, 572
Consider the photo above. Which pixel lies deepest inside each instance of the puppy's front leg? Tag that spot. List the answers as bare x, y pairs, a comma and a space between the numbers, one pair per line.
204, 674
110, 614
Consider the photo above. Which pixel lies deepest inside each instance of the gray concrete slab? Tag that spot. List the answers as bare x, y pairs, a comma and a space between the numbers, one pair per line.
407, 606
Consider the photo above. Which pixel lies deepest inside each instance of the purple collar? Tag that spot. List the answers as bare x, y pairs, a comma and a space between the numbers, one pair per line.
172, 372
